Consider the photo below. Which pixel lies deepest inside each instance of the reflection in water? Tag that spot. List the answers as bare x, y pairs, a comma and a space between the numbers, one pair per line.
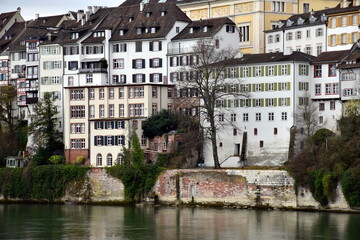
111, 222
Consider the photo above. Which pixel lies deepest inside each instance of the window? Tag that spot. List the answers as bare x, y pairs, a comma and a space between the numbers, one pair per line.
91, 111
136, 110
321, 119
284, 116
270, 39
246, 71
328, 88
101, 110
317, 89
343, 21
332, 70
303, 101
278, 6
257, 87
271, 86
321, 106
234, 132
303, 86
275, 131
155, 62
308, 50
92, 93
319, 32
298, 35
221, 117
101, 93
139, 63
257, 71
77, 143
89, 78
306, 7
343, 38
118, 63
155, 46
99, 160
289, 36
77, 94
318, 50
284, 86
233, 117
333, 40
270, 102
138, 46
244, 33
121, 92
77, 111
283, 101
317, 70
258, 117
245, 117
78, 128
348, 92
255, 131
261, 144
73, 65
277, 38
121, 110
284, 70
111, 93
271, 70
154, 92
354, 37
111, 110
335, 87
271, 116
109, 159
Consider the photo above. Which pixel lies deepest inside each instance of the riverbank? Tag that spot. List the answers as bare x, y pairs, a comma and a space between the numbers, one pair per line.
241, 189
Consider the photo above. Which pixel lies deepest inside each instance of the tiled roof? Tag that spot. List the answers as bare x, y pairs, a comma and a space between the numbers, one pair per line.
5, 18
13, 33
269, 58
333, 56
352, 60
214, 25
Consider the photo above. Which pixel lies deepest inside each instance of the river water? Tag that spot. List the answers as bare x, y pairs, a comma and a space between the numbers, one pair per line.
115, 222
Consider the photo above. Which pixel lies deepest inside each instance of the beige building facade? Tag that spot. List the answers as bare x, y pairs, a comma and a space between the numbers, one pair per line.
252, 17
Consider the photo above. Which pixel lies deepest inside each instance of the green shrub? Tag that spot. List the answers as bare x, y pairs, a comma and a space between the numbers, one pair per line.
80, 160
317, 188
41, 182
57, 159
350, 182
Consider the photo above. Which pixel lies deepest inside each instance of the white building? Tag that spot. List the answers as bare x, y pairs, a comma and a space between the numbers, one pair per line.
258, 128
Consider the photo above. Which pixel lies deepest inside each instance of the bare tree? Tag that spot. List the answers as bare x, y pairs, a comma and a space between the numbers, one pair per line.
208, 77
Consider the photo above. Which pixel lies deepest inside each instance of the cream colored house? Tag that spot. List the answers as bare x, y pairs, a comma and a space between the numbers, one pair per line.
252, 17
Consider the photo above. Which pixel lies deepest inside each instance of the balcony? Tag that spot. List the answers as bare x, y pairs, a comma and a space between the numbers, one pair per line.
32, 100
21, 75
180, 50
92, 70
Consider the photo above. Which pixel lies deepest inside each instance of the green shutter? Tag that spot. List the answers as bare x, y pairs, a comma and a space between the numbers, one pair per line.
241, 72
299, 86
241, 102
237, 72
262, 71
253, 102
275, 87
288, 69
266, 102
307, 86
262, 102
279, 86
225, 103
253, 87
288, 86
229, 103
262, 87
275, 102
237, 88
287, 101
225, 72
275, 70
250, 71
279, 69
266, 86
267, 71
300, 69
236, 102
253, 71
307, 70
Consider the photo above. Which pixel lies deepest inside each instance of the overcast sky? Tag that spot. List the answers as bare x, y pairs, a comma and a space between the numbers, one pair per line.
51, 7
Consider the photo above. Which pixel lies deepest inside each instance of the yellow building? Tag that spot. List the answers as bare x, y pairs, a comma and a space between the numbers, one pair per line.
251, 16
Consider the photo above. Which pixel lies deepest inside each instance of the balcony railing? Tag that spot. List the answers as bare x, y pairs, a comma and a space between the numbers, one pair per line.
180, 50
93, 70
31, 100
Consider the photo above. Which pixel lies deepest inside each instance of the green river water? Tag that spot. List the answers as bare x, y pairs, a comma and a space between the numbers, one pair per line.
19, 221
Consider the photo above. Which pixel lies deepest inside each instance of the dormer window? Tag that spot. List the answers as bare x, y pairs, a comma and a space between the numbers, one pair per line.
121, 32
4, 20
131, 19
280, 24
138, 30
191, 30
205, 28
300, 21
153, 30
99, 34
74, 35
230, 28
323, 17
312, 19
148, 14
162, 13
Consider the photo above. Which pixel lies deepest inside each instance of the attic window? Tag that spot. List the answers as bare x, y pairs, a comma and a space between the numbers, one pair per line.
148, 14
191, 30
44, 21
99, 34
300, 21
138, 30
74, 35
205, 28
153, 30
4, 20
312, 19
121, 32
131, 19
280, 24
230, 28
162, 13
323, 18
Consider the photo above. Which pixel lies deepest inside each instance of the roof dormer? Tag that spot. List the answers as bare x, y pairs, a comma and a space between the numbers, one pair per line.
289, 23
191, 30
323, 17
280, 24
312, 18
300, 21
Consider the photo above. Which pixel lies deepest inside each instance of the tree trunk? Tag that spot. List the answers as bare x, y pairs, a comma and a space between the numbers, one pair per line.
214, 144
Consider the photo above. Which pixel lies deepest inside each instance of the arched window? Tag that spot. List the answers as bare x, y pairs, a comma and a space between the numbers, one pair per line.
119, 159
109, 160
99, 160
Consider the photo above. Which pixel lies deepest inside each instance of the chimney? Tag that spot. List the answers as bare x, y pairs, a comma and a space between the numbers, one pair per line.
87, 16
141, 6
80, 14
90, 9
37, 16
19, 9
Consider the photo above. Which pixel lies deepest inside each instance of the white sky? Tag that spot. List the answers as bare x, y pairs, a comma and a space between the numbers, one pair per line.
52, 7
